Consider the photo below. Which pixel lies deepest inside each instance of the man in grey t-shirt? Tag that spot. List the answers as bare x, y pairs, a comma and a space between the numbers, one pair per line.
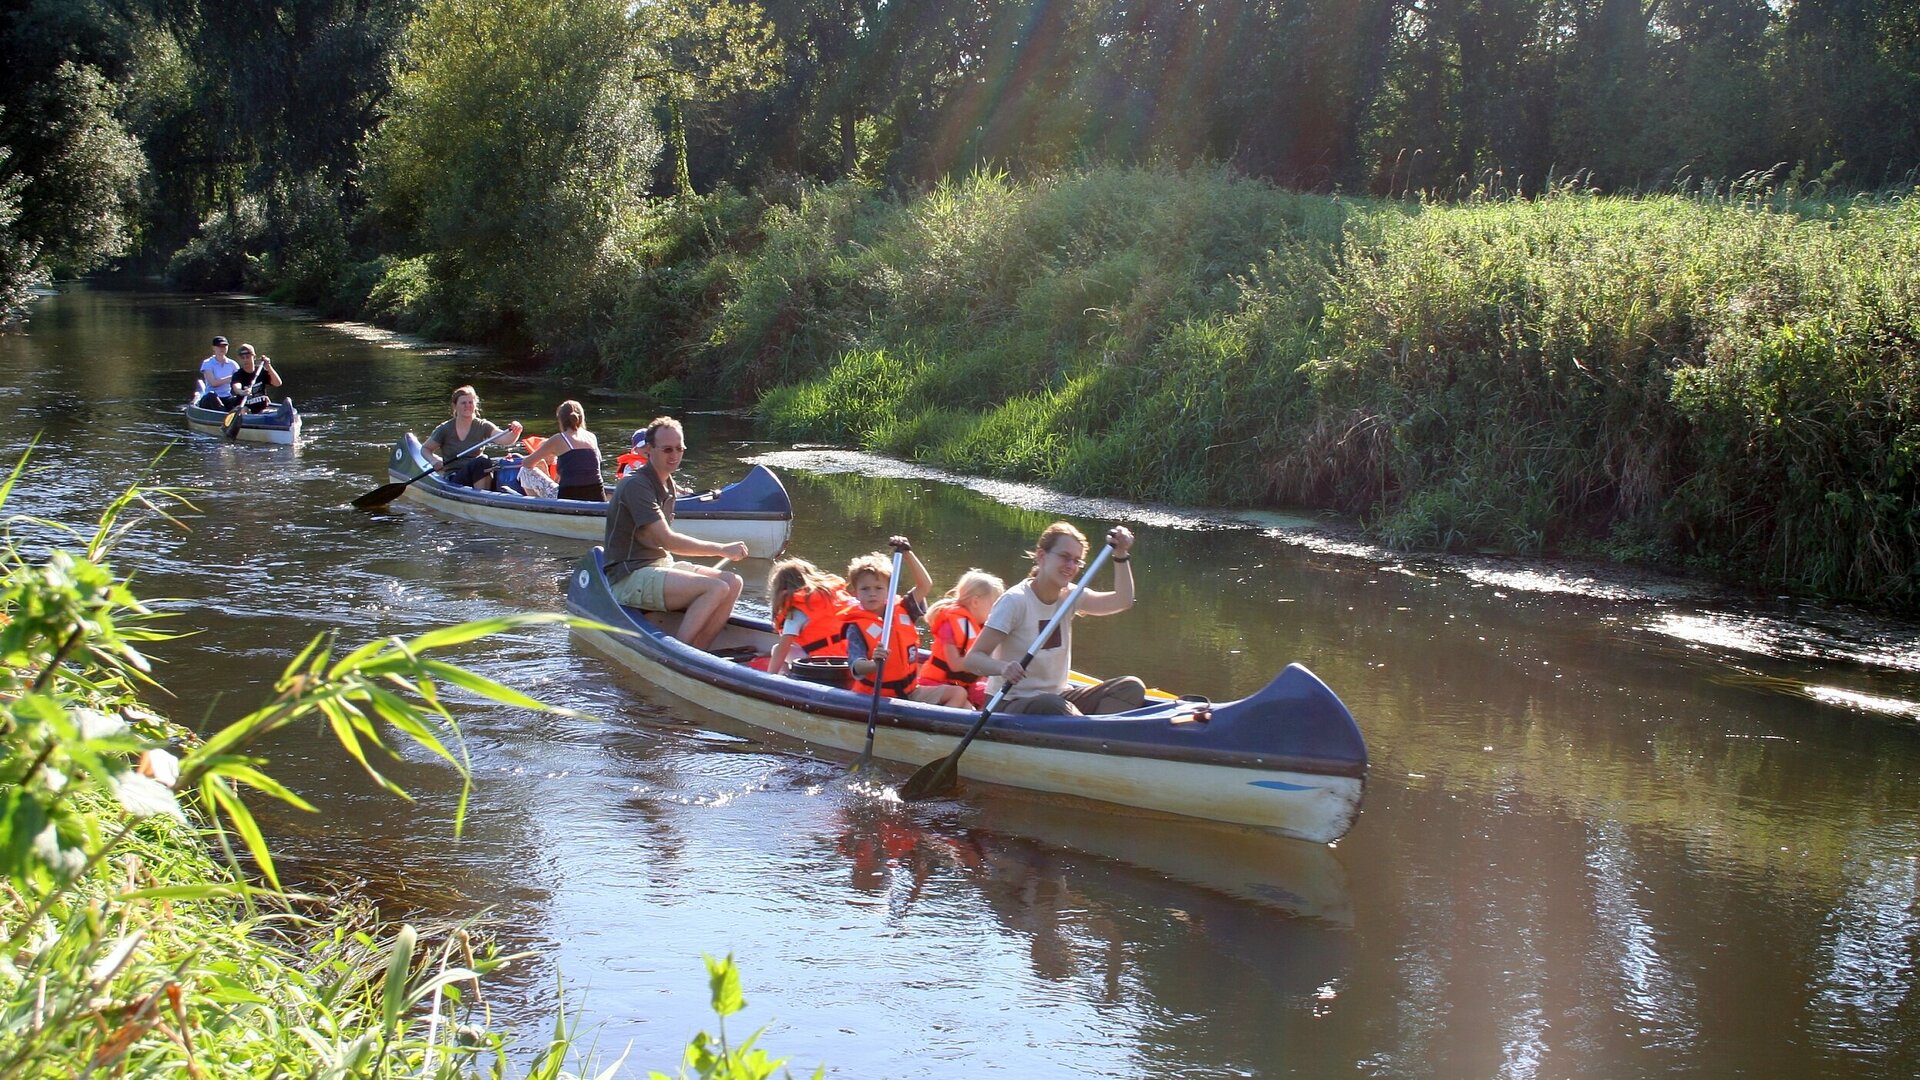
641, 542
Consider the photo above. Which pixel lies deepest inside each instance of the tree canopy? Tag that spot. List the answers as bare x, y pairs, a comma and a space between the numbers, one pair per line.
303, 132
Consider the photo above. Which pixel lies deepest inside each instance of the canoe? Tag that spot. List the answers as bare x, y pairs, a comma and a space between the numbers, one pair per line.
754, 509
279, 424
1288, 759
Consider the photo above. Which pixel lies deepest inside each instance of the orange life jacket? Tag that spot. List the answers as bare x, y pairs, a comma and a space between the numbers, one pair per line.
827, 612
897, 677
533, 443
935, 670
628, 462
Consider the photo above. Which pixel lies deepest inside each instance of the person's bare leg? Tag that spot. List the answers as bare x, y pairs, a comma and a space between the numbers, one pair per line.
728, 594
707, 597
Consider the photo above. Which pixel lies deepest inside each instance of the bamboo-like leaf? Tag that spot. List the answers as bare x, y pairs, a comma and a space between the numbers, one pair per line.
444, 977
216, 790
187, 892
393, 995
480, 684
261, 782
400, 714
479, 628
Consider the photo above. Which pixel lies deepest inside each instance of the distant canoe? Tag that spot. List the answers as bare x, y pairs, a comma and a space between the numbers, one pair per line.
1288, 759
754, 509
278, 424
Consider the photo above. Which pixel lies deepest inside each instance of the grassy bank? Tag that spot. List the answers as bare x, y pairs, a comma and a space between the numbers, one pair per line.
1728, 383
1720, 381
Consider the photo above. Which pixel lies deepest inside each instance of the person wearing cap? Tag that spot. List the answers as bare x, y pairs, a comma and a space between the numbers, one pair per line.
216, 377
250, 383
633, 459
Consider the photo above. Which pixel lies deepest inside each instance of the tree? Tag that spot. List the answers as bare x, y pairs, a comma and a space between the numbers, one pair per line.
691, 52
515, 149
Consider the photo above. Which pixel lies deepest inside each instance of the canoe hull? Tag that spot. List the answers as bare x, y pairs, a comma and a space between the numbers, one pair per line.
279, 425
754, 510
1289, 760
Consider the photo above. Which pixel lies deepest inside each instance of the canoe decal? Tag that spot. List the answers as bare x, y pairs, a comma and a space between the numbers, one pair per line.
1282, 785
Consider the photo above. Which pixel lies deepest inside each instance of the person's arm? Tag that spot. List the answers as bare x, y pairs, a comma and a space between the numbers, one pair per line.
273, 377
922, 580
657, 534
548, 448
432, 447
777, 660
1121, 598
857, 660
981, 661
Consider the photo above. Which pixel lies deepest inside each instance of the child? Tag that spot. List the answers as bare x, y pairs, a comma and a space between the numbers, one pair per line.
954, 621
634, 458
810, 609
896, 665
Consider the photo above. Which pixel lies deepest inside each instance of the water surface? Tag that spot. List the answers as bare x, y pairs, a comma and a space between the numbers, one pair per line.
1614, 827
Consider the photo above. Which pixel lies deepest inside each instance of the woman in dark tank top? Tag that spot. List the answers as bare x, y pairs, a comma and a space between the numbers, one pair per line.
575, 453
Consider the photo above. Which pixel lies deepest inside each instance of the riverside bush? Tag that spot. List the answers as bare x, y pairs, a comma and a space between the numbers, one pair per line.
131, 950
1725, 380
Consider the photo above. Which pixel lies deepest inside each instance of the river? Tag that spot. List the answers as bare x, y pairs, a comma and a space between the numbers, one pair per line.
1613, 826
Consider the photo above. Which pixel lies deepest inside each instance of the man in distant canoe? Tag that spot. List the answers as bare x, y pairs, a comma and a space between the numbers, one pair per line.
641, 544
250, 383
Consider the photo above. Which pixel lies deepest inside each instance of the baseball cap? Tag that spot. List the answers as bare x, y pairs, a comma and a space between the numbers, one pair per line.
219, 341
639, 438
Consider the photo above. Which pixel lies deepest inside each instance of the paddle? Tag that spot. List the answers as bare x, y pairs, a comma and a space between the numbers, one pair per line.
886, 639
230, 423
939, 777
386, 493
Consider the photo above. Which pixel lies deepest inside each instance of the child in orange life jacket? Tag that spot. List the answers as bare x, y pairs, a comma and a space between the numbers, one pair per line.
810, 609
633, 459
897, 665
954, 621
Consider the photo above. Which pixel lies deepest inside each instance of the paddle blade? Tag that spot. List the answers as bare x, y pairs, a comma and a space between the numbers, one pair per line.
936, 778
380, 496
230, 424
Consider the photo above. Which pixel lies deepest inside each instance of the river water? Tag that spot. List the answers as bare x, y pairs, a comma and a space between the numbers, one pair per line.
1612, 828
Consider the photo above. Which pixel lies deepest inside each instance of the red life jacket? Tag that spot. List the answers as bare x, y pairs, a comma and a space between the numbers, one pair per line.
827, 612
897, 677
935, 670
628, 462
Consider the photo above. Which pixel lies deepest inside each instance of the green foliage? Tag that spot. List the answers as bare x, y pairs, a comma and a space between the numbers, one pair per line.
712, 1057
518, 169
80, 164
20, 266
130, 950
217, 258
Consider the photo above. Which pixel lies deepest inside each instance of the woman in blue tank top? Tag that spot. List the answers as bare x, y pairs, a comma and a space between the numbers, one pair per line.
575, 453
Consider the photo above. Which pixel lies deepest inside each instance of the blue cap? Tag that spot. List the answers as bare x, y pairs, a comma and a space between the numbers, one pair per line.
639, 438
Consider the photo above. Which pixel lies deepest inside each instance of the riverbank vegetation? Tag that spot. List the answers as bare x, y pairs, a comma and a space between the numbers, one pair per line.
1529, 277
138, 941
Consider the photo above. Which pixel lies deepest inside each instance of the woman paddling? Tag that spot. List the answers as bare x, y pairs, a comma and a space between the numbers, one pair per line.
1021, 612
575, 453
462, 433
